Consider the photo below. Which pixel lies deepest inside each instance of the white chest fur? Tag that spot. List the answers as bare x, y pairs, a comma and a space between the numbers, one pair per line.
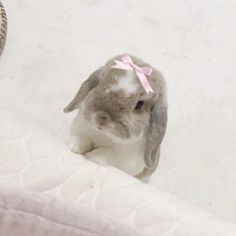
125, 155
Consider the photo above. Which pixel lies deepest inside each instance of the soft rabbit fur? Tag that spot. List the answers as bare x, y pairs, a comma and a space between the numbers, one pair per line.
109, 129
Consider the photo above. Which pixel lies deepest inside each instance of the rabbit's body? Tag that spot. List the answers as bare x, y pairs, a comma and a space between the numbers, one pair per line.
120, 123
105, 150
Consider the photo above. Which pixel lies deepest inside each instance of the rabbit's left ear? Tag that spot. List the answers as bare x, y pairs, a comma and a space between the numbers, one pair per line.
85, 88
155, 134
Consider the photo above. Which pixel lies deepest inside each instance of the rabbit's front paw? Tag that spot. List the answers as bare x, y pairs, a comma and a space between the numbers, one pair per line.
79, 145
101, 156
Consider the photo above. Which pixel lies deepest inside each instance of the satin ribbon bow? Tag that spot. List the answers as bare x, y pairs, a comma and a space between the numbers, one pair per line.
126, 63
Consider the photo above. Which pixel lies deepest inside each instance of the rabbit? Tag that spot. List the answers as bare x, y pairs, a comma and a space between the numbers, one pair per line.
119, 123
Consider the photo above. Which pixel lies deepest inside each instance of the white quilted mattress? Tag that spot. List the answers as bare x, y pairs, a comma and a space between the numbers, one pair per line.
51, 47
79, 197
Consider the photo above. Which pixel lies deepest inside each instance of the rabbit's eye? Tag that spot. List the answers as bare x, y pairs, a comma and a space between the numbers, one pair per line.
139, 104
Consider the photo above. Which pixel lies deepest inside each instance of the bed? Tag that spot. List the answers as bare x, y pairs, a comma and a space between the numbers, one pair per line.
45, 189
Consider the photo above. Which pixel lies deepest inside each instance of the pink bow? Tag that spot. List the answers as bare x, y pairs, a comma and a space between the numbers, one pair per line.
126, 63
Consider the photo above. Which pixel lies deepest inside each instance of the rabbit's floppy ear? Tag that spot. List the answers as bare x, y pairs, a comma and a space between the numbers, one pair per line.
84, 89
155, 134
157, 124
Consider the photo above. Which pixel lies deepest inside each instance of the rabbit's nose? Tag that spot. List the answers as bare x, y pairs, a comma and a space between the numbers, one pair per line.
102, 118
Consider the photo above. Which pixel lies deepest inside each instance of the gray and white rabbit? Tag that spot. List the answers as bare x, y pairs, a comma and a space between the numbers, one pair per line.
118, 123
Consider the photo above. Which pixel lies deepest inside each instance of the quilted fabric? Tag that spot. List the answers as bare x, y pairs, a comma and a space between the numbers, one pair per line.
52, 47
34, 161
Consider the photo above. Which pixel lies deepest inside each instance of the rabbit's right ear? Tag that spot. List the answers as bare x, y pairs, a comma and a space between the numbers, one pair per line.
84, 89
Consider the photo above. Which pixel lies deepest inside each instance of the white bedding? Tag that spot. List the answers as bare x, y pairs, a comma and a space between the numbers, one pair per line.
81, 198
51, 48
